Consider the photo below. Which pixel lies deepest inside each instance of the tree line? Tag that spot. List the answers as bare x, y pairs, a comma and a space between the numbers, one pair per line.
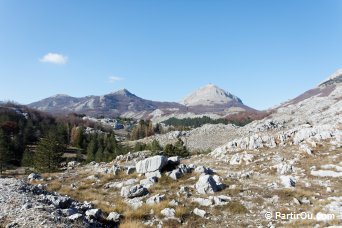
200, 121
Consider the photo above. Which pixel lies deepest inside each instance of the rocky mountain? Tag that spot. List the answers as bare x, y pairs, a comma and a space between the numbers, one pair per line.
210, 95
118, 103
318, 107
209, 100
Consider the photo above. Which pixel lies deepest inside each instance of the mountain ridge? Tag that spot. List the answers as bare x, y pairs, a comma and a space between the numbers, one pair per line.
125, 103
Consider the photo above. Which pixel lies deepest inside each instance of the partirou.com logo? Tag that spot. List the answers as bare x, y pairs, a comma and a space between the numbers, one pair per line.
299, 216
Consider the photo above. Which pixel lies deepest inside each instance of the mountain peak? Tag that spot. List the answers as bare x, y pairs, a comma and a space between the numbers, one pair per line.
123, 92
209, 95
60, 95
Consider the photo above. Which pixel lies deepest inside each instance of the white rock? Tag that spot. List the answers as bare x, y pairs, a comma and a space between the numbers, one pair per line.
199, 212
326, 173
75, 216
176, 174
93, 213
168, 212
220, 200
155, 174
151, 164
114, 217
207, 184
305, 148
284, 168
203, 202
149, 182
155, 199
34, 176
288, 181
134, 191
173, 203
202, 169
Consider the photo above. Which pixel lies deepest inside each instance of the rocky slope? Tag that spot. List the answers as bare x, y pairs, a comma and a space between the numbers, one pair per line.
26, 205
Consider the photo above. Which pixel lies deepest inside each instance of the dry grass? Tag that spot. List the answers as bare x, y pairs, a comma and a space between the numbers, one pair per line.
131, 224
235, 207
54, 186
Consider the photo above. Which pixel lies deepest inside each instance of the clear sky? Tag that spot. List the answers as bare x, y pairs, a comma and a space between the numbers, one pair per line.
265, 52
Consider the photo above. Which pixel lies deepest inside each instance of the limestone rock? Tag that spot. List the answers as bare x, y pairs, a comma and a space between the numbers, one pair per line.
114, 217
155, 199
134, 191
168, 212
151, 164
93, 213
200, 213
288, 181
149, 182
207, 184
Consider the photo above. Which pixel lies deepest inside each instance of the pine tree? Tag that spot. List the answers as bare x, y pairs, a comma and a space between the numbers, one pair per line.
49, 153
155, 146
4, 147
91, 149
27, 160
99, 155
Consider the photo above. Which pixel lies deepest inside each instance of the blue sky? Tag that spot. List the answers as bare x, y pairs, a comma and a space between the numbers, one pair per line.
265, 52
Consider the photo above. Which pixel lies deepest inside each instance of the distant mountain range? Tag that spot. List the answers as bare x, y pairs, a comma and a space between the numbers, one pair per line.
209, 100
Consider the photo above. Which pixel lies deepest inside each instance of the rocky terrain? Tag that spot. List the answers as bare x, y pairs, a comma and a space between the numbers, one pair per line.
282, 171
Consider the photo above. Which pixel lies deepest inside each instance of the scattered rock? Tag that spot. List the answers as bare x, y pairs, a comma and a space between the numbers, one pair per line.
34, 176
288, 181
207, 184
203, 170
220, 200
184, 191
73, 164
134, 191
203, 202
149, 182
155, 199
200, 213
168, 212
173, 203
75, 216
176, 174
94, 213
114, 217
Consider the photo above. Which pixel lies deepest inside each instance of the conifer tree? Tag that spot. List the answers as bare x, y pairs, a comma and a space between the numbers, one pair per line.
27, 159
49, 153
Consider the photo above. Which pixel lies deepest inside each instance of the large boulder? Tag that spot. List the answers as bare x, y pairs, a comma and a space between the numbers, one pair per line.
151, 164
133, 191
208, 184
